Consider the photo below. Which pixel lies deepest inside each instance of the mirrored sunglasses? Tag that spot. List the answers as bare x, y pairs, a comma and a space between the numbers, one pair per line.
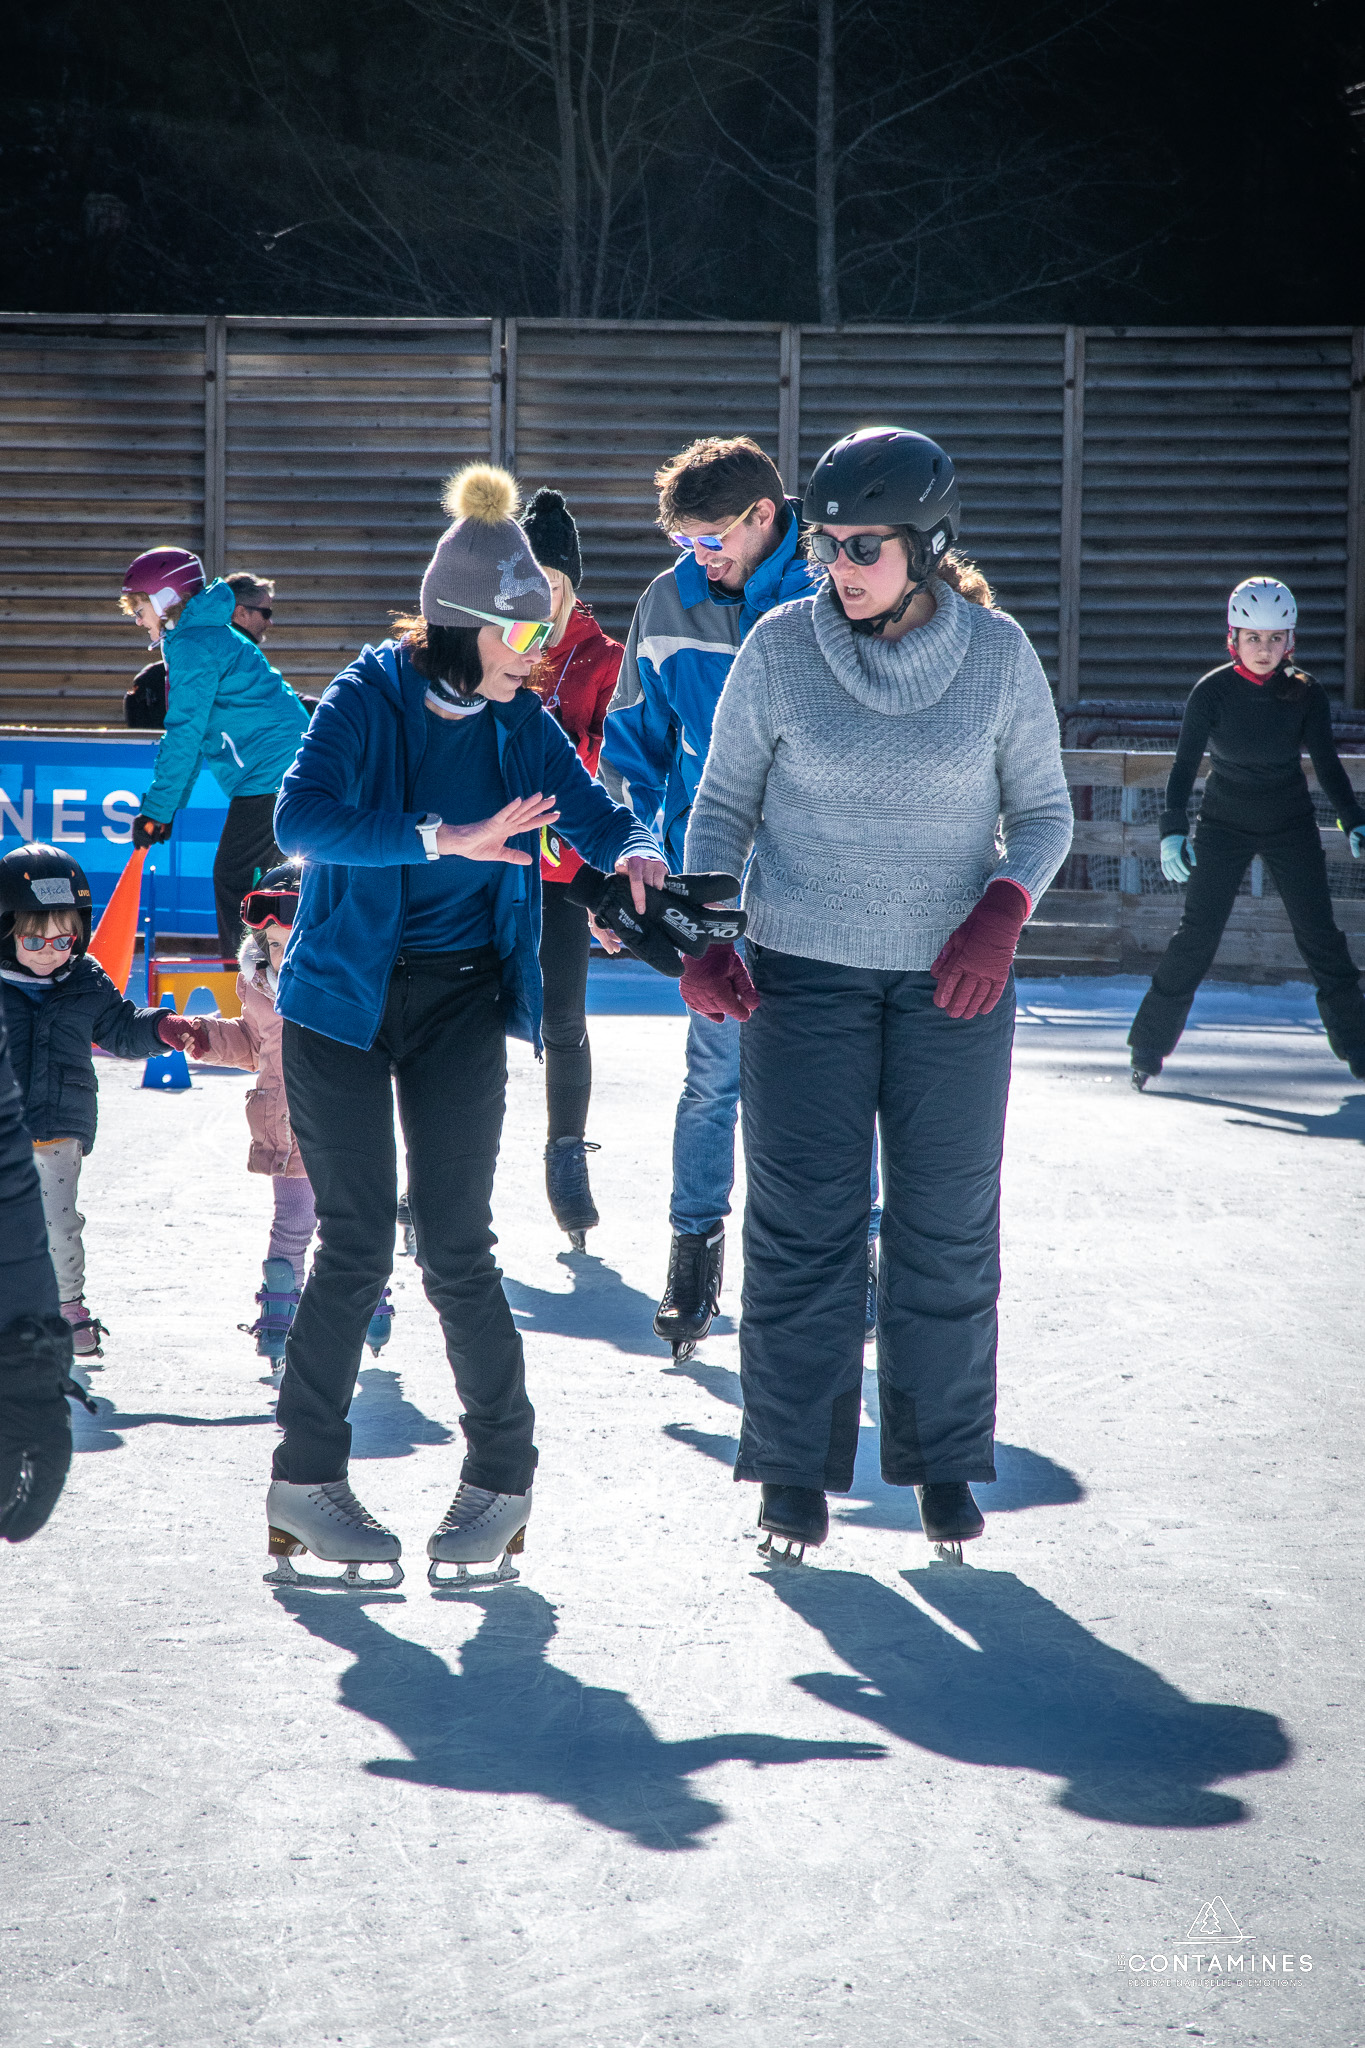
523, 636
33, 942
711, 542
862, 549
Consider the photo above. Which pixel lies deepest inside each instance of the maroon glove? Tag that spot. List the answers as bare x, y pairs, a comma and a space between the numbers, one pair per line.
974, 966
718, 986
185, 1034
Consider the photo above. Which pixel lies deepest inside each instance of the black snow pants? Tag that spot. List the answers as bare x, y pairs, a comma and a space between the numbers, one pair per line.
831, 1055
564, 948
442, 1041
1298, 867
246, 850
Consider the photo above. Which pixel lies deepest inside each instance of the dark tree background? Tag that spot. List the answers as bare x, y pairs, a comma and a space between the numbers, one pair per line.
1107, 161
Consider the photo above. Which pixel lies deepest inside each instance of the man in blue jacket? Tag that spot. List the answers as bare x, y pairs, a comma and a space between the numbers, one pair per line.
227, 710
722, 503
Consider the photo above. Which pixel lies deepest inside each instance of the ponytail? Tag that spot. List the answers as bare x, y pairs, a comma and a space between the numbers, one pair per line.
965, 578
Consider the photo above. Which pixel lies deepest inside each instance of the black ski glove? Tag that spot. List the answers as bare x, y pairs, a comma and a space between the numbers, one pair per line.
675, 919
148, 831
35, 1422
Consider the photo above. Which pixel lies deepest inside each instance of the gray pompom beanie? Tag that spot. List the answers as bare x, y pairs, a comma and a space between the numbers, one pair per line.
482, 563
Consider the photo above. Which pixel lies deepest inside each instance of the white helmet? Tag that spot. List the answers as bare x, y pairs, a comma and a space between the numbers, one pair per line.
1264, 605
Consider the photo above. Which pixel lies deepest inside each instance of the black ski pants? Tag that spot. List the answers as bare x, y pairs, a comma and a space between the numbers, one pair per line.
831, 1055
246, 850
1298, 866
441, 1041
564, 948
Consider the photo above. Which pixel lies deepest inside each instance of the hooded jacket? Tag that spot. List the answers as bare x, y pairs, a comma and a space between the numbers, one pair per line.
253, 1041
682, 641
575, 682
227, 709
346, 808
50, 1037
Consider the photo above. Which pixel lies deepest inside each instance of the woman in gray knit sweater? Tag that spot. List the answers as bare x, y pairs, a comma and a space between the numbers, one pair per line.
886, 760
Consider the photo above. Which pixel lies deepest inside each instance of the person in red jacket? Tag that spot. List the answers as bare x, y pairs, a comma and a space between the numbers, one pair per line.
575, 681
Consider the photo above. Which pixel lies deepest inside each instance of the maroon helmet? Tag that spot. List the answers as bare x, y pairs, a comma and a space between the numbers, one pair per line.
166, 576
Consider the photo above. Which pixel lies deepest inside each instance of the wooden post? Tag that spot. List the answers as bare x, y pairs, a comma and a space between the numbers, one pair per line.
789, 410
509, 395
1354, 692
1069, 549
215, 444
496, 377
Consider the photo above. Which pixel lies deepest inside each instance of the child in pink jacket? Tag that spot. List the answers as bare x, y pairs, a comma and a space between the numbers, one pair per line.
253, 1041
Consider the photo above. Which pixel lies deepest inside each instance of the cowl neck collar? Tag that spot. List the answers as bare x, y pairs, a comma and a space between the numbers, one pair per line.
896, 676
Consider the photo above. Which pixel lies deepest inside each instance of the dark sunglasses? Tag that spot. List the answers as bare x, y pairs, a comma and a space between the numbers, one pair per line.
34, 943
862, 549
264, 611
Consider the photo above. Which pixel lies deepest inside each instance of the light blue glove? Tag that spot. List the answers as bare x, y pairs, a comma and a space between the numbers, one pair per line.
1357, 839
1177, 857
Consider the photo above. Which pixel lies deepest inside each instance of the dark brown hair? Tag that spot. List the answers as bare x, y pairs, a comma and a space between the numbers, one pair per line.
443, 654
714, 479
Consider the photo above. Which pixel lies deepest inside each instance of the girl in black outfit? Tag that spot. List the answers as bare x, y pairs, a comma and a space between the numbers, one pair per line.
1255, 715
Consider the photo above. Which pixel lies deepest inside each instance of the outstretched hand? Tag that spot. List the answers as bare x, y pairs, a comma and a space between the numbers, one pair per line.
487, 840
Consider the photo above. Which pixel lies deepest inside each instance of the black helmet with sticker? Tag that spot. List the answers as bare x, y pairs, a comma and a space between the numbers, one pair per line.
887, 476
36, 879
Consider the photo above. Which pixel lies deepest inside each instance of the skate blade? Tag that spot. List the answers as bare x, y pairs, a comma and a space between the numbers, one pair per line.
466, 1581
948, 1553
794, 1553
684, 1348
283, 1547
578, 1240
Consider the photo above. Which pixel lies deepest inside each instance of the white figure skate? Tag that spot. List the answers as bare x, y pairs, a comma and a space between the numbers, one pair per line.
477, 1525
328, 1520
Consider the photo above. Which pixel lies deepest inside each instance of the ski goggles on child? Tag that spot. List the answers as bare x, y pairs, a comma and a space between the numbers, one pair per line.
270, 906
862, 549
61, 942
523, 636
712, 542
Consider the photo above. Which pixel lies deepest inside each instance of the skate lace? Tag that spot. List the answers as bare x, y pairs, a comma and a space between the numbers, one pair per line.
569, 1169
343, 1506
470, 1505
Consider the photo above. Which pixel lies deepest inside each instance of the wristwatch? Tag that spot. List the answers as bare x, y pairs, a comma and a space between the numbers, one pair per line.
428, 825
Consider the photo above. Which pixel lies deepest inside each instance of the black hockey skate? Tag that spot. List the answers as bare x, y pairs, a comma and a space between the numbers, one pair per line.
566, 1184
1146, 1065
950, 1517
798, 1514
696, 1266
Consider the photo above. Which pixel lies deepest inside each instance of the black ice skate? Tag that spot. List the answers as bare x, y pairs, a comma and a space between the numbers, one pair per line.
950, 1517
566, 1184
696, 1266
799, 1514
1146, 1065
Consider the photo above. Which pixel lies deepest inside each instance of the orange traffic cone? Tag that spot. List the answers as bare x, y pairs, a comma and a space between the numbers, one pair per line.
116, 933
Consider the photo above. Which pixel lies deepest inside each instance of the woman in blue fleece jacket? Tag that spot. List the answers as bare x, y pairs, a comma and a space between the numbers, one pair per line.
416, 803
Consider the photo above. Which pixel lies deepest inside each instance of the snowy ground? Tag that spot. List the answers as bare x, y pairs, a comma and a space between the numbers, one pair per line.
655, 1794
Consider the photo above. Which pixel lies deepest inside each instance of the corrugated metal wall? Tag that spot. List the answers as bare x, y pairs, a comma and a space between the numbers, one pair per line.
101, 452
338, 442
1209, 457
1115, 484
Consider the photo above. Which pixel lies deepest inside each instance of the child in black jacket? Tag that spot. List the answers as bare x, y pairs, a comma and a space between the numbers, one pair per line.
58, 1004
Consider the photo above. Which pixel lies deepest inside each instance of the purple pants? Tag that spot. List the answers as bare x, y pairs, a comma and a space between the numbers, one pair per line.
295, 1221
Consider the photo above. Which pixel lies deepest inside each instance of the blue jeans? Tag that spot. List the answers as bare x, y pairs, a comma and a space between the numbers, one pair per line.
704, 1131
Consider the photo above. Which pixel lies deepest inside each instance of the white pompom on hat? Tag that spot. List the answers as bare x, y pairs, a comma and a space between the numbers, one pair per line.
483, 568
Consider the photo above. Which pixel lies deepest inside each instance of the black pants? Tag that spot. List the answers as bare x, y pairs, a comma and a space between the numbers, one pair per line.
564, 946
246, 850
831, 1054
28, 1285
441, 1040
1298, 866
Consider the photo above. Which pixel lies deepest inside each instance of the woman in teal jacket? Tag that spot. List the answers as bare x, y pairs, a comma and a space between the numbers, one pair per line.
227, 710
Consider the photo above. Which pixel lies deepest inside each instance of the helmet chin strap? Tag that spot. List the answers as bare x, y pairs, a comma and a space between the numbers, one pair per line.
890, 617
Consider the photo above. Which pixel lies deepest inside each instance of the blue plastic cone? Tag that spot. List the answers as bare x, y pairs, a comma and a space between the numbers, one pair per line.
170, 1069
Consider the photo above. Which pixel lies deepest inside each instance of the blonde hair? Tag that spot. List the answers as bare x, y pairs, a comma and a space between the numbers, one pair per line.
28, 923
131, 599
563, 611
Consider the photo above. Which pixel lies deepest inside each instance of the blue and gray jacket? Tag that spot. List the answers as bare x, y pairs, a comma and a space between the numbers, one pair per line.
682, 641
346, 808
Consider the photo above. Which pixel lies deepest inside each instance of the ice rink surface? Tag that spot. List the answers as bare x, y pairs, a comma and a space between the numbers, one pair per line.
655, 1794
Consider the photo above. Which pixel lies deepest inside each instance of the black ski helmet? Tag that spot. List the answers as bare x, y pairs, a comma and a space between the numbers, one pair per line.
35, 879
887, 476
